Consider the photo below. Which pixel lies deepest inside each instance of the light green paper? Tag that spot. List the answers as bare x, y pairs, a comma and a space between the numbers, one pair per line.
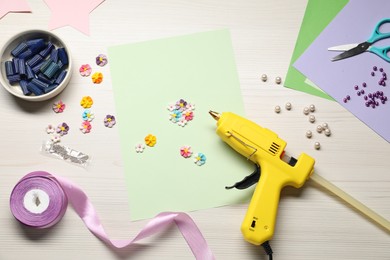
147, 77
318, 14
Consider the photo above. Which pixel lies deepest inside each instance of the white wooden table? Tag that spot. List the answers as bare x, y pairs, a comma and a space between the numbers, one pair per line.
311, 224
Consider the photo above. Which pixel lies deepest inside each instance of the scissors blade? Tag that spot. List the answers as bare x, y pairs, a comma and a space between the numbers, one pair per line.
362, 47
344, 47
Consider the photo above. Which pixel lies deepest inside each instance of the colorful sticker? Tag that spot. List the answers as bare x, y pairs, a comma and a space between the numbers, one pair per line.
62, 129
109, 121
200, 159
85, 127
58, 107
186, 151
85, 70
150, 140
86, 102
55, 138
97, 77
101, 60
181, 112
88, 115
50, 129
139, 148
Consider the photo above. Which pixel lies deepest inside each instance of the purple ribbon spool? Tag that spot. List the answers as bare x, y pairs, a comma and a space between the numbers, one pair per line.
40, 183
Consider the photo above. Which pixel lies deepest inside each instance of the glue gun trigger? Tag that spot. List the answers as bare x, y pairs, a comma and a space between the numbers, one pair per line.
248, 180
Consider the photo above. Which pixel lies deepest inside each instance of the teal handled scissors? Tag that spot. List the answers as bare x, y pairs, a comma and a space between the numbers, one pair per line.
355, 49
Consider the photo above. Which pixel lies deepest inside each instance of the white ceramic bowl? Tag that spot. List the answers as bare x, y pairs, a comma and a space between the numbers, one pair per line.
5, 55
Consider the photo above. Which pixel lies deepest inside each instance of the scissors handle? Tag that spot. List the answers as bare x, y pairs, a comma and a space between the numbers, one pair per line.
376, 34
381, 52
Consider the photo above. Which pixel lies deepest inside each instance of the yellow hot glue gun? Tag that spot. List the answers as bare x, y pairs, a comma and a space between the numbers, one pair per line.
265, 148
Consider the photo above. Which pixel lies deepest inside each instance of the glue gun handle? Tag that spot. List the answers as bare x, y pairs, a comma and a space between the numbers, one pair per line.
259, 222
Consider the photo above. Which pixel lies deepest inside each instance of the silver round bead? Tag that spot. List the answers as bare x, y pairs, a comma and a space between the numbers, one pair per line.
277, 109
317, 145
278, 80
325, 125
306, 110
264, 77
312, 119
309, 134
288, 106
319, 129
312, 108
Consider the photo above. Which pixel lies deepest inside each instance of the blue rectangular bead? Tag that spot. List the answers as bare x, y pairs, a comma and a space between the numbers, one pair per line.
54, 55
9, 68
34, 89
19, 49
50, 88
23, 84
45, 65
30, 72
13, 79
26, 54
63, 56
51, 70
60, 77
46, 52
39, 83
35, 41
60, 64
37, 67
43, 78
35, 60
15, 62
22, 68
36, 45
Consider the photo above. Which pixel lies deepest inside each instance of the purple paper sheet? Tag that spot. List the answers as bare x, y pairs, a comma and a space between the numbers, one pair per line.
354, 24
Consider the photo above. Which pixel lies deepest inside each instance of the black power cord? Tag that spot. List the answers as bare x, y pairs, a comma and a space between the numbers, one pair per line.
267, 249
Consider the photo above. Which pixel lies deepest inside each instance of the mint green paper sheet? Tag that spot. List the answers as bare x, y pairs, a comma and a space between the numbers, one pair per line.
146, 78
318, 14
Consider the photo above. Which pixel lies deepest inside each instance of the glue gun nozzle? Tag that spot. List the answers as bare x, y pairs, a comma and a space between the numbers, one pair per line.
215, 115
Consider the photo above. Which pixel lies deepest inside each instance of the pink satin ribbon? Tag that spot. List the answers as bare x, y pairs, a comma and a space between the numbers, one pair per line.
84, 208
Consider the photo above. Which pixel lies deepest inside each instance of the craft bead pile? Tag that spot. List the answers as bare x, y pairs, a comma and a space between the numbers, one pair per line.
374, 98
37, 66
322, 128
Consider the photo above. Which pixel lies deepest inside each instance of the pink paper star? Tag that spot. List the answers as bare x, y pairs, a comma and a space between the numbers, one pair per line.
13, 6
74, 13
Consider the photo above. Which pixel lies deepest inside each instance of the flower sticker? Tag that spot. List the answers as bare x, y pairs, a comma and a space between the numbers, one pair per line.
139, 148
171, 107
182, 122
85, 127
50, 129
97, 77
150, 140
190, 106
181, 112
200, 159
175, 116
101, 60
185, 151
86, 102
109, 121
85, 70
58, 107
55, 138
181, 104
188, 115
88, 115
62, 129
